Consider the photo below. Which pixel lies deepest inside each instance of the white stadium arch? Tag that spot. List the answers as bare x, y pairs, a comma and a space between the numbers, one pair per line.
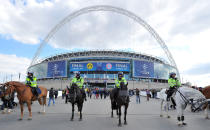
111, 9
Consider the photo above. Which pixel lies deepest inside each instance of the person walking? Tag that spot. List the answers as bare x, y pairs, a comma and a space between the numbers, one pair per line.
91, 92
56, 94
63, 93
148, 94
51, 97
137, 96
67, 93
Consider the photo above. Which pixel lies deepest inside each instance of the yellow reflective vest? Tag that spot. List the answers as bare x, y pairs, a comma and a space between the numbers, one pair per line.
30, 82
79, 82
117, 82
173, 82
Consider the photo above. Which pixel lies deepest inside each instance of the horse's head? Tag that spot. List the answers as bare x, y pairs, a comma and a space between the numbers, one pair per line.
123, 86
8, 89
123, 93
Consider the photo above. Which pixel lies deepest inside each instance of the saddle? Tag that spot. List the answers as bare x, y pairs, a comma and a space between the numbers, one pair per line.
123, 93
36, 91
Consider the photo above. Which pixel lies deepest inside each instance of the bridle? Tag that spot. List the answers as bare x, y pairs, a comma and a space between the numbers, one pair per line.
186, 101
6, 95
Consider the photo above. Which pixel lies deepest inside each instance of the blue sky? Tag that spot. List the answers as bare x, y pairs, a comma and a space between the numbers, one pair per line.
11, 46
183, 25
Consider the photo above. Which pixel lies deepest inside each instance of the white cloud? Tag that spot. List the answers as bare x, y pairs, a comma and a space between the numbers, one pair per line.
12, 65
182, 24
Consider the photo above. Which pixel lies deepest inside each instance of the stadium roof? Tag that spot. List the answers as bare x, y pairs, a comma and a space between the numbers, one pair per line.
103, 53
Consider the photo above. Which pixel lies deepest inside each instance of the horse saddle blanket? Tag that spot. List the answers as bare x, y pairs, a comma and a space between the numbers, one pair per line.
123, 93
38, 90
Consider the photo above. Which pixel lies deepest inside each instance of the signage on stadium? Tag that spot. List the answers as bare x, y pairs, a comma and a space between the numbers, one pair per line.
56, 69
99, 66
143, 69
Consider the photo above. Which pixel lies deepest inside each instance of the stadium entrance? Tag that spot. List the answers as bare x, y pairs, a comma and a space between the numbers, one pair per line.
100, 85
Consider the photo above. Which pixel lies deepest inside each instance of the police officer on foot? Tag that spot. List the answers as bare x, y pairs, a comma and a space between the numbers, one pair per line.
79, 81
31, 82
118, 81
173, 83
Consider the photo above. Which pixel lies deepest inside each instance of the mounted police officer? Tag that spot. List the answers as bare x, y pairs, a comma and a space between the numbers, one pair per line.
118, 83
32, 83
79, 81
173, 83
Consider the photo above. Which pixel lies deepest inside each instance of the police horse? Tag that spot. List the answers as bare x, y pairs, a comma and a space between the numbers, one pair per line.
183, 97
75, 96
122, 99
25, 95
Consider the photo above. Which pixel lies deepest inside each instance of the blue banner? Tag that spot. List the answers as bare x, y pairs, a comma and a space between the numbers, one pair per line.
56, 69
99, 66
143, 69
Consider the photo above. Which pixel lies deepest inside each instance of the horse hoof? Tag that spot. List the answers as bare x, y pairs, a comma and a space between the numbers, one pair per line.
161, 115
30, 118
80, 119
184, 123
207, 118
119, 125
20, 119
168, 117
180, 124
71, 119
43, 113
125, 123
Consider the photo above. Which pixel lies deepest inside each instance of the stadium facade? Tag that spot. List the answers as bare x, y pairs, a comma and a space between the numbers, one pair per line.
100, 67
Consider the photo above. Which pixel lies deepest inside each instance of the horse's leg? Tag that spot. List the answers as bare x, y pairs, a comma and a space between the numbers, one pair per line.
206, 111
21, 109
72, 115
44, 103
120, 124
125, 114
182, 117
40, 103
167, 107
112, 115
179, 114
161, 108
29, 110
80, 110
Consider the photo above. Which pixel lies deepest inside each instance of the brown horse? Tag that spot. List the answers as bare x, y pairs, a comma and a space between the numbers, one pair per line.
206, 93
25, 95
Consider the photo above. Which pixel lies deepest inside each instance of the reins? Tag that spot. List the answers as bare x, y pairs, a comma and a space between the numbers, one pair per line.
186, 101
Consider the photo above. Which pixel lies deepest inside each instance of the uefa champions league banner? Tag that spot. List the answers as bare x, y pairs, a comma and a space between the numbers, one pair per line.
143, 69
56, 69
99, 66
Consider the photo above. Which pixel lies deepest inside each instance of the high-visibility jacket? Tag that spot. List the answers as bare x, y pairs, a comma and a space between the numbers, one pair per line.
173, 82
31, 81
79, 82
117, 82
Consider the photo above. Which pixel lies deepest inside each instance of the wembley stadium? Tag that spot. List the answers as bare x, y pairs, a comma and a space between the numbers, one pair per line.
99, 69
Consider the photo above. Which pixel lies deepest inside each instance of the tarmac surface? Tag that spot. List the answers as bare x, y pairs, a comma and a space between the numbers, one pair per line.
97, 116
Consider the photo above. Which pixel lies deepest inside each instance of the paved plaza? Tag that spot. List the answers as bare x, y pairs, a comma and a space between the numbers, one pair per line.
144, 116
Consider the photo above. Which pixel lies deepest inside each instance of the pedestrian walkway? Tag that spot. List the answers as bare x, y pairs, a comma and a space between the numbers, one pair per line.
97, 116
